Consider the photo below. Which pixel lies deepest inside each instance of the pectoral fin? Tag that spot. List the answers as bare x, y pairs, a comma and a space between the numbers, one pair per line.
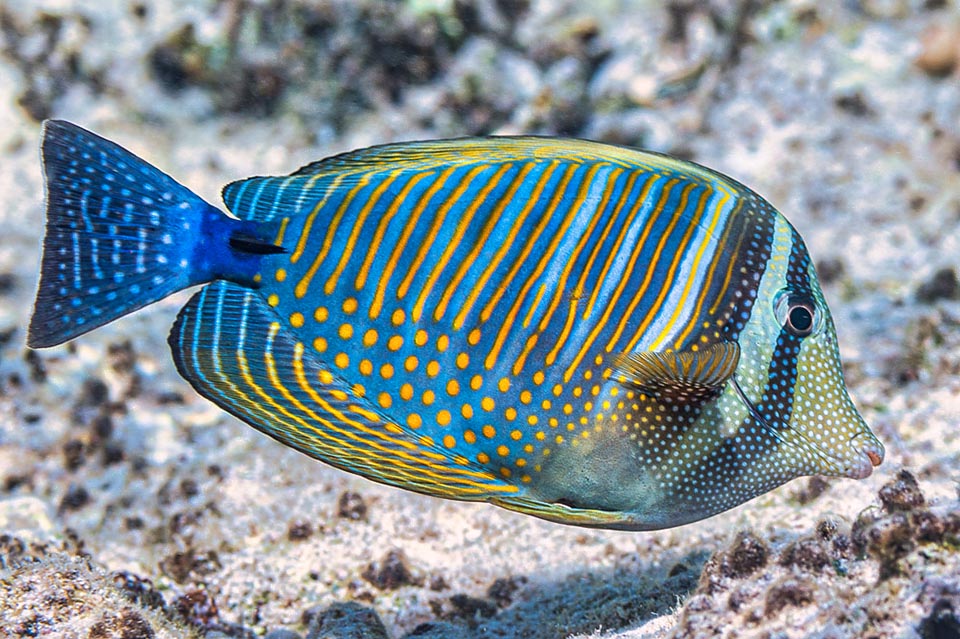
686, 376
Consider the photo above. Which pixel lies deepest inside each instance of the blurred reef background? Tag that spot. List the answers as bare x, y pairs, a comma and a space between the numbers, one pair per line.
131, 508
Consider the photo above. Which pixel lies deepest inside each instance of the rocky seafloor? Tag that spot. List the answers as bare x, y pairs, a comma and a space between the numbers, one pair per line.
130, 507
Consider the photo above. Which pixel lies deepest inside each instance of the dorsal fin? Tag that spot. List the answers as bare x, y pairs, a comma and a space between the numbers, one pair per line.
687, 376
265, 198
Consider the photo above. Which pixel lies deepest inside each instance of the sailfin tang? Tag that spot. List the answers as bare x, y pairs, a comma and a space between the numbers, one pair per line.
235, 351
693, 376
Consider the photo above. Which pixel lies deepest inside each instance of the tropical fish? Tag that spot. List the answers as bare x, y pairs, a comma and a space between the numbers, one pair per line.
587, 333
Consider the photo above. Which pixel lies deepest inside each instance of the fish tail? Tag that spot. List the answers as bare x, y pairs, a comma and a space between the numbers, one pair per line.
121, 234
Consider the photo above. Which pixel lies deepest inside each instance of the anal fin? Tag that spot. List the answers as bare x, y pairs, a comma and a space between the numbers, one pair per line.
234, 350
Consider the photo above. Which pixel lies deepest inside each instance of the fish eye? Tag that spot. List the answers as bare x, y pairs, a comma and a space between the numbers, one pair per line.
800, 320
797, 314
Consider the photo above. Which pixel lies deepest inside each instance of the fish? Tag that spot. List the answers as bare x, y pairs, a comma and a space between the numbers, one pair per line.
590, 334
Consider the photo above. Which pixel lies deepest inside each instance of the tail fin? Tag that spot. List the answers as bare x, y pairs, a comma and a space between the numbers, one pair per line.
120, 235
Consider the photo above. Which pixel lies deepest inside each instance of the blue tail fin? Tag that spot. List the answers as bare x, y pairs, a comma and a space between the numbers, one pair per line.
121, 234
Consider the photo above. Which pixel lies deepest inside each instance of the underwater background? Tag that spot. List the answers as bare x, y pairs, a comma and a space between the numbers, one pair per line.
131, 507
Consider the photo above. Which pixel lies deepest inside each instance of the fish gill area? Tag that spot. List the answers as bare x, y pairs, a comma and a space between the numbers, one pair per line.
130, 507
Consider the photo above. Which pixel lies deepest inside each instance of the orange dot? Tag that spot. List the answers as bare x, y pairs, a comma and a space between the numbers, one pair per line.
325, 377
320, 345
346, 331
350, 305
321, 314
406, 391
386, 371
395, 342
483, 458
487, 404
488, 431
385, 400
504, 471
510, 414
474, 337
470, 437
273, 300
428, 397
503, 385
557, 390
538, 378
449, 441
420, 337
476, 382
463, 360
443, 417
366, 366
296, 320
443, 342
280, 275
502, 450
433, 368
526, 397
370, 337
342, 360
453, 388
398, 317
467, 411
411, 363
414, 420
516, 435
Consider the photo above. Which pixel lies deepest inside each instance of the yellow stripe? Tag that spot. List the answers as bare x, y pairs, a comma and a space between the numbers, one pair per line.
572, 211
504, 246
351, 243
529, 242
728, 277
427, 243
625, 276
304, 283
603, 238
536, 303
664, 288
278, 240
677, 260
624, 229
560, 289
551, 357
462, 225
410, 224
377, 241
480, 243
308, 224
705, 285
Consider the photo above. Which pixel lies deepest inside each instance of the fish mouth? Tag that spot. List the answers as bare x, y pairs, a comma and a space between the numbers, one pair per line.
869, 456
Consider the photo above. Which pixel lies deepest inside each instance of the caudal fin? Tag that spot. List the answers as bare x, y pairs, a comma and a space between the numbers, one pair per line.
120, 234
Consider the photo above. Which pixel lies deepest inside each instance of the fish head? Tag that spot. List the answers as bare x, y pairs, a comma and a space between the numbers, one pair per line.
790, 380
